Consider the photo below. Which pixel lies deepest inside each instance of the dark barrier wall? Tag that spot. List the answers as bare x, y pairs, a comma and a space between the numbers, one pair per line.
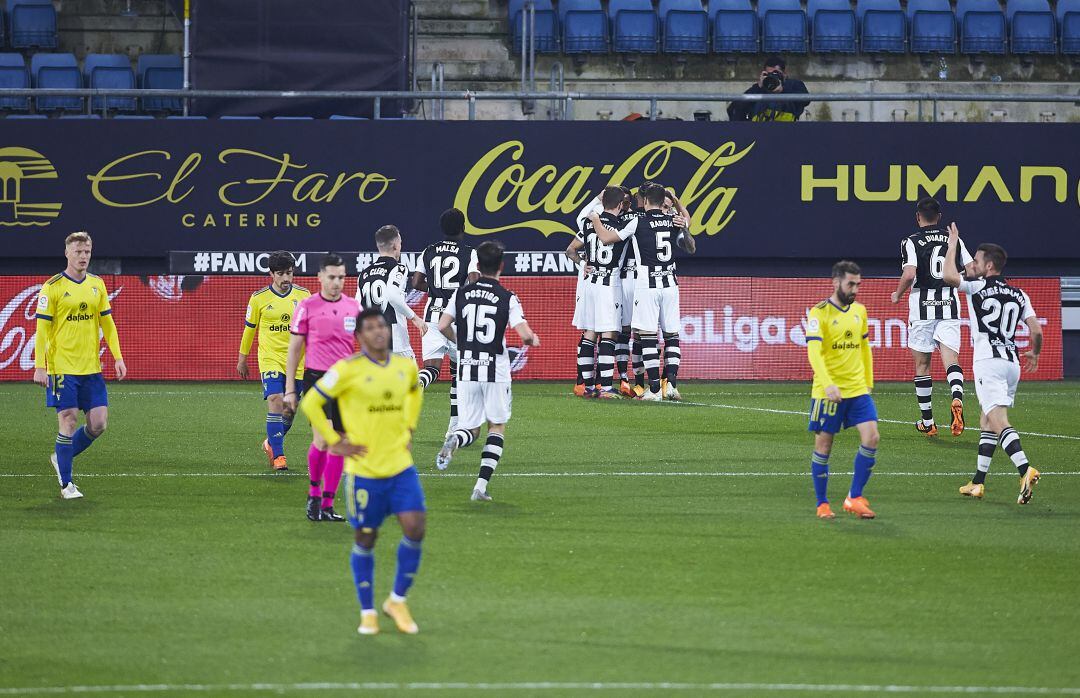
776, 193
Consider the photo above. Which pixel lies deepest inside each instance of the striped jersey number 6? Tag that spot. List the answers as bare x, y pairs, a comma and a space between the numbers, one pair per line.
374, 293
479, 323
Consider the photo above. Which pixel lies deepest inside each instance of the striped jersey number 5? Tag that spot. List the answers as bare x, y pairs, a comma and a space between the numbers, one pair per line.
599, 252
374, 293
1000, 319
445, 271
663, 245
479, 323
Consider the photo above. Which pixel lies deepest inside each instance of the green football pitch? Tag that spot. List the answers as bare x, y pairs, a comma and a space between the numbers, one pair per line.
631, 549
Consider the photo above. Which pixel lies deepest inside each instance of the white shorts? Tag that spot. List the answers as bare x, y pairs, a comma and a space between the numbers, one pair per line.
483, 402
995, 382
656, 306
625, 294
400, 344
435, 345
924, 335
601, 308
579, 303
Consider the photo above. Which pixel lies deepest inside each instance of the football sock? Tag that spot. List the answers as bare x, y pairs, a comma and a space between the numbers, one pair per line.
586, 361
639, 366
1010, 443
428, 375
987, 444
580, 361
672, 359
81, 441
819, 469
489, 460
316, 461
606, 362
275, 433
924, 386
622, 353
408, 562
955, 374
363, 572
864, 467
286, 424
453, 394
650, 356
464, 437
64, 455
331, 478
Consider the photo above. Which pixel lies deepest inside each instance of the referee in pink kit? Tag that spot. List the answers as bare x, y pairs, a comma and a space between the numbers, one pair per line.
323, 325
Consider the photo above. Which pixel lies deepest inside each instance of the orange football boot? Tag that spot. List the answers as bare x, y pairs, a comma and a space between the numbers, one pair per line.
957, 425
268, 451
923, 429
824, 511
858, 506
279, 464
579, 390
626, 390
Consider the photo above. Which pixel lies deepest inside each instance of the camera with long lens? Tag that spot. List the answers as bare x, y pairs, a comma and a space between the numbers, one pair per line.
772, 80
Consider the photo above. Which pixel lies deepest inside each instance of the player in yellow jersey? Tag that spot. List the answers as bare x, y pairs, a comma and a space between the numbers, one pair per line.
269, 312
378, 397
837, 341
72, 310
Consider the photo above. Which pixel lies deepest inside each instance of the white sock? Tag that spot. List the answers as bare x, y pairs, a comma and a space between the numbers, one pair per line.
481, 484
396, 599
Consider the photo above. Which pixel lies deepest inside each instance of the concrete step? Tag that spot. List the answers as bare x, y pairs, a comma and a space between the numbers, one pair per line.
111, 23
446, 49
111, 7
472, 71
462, 27
478, 9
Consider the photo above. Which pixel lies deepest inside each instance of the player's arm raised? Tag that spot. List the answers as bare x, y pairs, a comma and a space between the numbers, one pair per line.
949, 274
474, 266
251, 323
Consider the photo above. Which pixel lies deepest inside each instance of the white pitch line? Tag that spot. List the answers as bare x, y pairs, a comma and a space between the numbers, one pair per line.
543, 686
661, 473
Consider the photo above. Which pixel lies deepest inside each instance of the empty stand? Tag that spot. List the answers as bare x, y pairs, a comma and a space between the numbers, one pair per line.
735, 26
783, 26
56, 70
584, 26
685, 26
546, 28
33, 23
161, 72
110, 71
832, 26
634, 26
1032, 28
932, 25
883, 26
982, 26
13, 75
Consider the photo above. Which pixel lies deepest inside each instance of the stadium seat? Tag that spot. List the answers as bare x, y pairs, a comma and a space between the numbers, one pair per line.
56, 70
584, 26
161, 72
634, 26
333, 117
27, 116
32, 23
128, 117
982, 26
1031, 26
295, 118
932, 25
783, 26
1068, 16
110, 71
686, 26
883, 26
186, 118
832, 26
13, 75
257, 118
80, 116
546, 29
735, 26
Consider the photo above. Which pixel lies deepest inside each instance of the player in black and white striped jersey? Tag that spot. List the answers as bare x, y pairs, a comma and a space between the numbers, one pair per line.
933, 312
586, 348
444, 267
600, 313
995, 309
382, 285
476, 320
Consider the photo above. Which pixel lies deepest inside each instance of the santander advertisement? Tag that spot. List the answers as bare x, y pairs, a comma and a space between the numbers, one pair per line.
188, 327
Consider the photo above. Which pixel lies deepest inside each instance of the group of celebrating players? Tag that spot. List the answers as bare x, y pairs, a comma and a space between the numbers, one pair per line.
364, 406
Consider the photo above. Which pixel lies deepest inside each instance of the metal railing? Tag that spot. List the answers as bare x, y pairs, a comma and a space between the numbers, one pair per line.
564, 98
528, 54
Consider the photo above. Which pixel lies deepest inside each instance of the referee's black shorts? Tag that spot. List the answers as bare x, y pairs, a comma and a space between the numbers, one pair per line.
331, 407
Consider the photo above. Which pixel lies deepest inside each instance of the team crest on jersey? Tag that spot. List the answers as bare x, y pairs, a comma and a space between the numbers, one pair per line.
43, 302
811, 326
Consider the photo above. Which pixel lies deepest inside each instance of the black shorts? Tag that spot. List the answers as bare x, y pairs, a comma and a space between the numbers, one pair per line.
330, 409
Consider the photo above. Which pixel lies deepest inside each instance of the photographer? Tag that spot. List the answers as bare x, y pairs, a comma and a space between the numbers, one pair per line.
773, 78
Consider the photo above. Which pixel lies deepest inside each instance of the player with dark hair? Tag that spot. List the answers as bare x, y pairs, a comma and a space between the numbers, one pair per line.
995, 309
476, 320
379, 401
838, 346
322, 330
270, 312
586, 348
73, 314
933, 312
445, 266
382, 286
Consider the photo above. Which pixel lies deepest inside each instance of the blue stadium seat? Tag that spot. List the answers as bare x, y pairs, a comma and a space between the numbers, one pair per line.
932, 25
735, 28
13, 75
128, 117
982, 26
783, 26
27, 116
686, 26
33, 23
56, 70
832, 26
634, 26
161, 72
80, 116
883, 26
1068, 16
110, 70
333, 117
296, 118
186, 118
584, 26
546, 28
1031, 26
257, 118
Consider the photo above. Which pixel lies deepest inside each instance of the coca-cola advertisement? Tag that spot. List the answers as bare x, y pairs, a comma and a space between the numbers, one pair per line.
189, 327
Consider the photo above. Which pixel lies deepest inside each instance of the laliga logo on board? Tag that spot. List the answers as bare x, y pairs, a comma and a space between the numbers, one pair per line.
19, 168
